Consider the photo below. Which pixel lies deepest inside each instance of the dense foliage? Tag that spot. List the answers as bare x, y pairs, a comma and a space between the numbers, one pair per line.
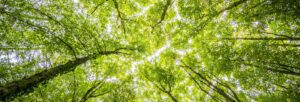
150, 50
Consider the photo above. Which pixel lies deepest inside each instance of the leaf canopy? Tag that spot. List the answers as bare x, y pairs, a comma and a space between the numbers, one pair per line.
150, 50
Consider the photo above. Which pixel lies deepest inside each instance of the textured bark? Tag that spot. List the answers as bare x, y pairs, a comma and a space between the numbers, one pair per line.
26, 85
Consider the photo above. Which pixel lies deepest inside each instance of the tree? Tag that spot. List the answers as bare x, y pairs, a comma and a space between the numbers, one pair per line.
149, 50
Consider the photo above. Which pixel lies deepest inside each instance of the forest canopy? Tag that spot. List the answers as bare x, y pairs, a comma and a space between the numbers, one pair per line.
150, 50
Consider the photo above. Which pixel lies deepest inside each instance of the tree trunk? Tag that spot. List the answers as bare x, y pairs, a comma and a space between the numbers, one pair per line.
265, 38
26, 85
202, 89
284, 72
218, 90
172, 97
286, 45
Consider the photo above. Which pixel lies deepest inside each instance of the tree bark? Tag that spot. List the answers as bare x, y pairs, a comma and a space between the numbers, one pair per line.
27, 85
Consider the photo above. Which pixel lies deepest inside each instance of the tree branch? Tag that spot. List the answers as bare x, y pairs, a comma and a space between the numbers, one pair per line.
162, 17
98, 6
119, 15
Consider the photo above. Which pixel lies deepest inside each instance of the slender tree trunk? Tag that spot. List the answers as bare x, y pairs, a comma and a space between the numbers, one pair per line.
284, 72
162, 17
218, 90
198, 84
265, 38
288, 66
26, 85
171, 96
286, 45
